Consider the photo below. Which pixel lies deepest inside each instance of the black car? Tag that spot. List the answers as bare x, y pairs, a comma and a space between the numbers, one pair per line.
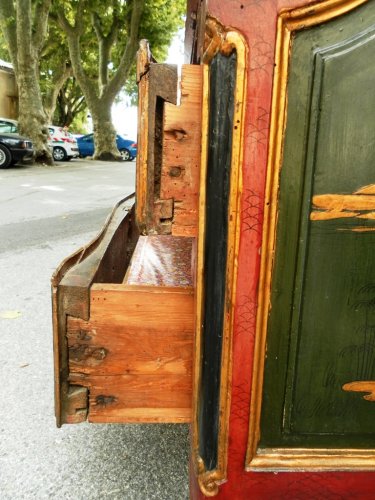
13, 149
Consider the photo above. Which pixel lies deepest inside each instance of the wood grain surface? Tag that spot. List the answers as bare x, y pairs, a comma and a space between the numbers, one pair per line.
135, 352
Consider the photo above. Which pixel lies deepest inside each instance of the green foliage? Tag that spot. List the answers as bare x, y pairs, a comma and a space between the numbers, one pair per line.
4, 54
80, 125
70, 104
160, 20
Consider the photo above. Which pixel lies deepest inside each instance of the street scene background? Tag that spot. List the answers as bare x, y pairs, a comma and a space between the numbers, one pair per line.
47, 213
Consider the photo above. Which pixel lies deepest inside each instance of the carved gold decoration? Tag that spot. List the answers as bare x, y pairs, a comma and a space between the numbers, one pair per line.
362, 386
220, 39
207, 480
261, 459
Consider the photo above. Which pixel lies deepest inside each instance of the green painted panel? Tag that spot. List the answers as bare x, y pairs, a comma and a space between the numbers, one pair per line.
321, 332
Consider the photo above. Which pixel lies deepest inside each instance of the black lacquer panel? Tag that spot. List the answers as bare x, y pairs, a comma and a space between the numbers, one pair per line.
222, 88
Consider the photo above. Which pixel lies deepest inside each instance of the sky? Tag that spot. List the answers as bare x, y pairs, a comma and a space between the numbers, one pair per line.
125, 116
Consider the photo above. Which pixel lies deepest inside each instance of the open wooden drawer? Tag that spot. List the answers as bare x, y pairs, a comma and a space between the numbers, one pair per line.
123, 307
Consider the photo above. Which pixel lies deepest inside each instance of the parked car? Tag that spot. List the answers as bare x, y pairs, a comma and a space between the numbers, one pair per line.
64, 144
127, 148
14, 148
9, 126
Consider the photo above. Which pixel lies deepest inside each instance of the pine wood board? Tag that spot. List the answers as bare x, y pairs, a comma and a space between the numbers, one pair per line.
102, 348
161, 260
182, 152
135, 352
142, 415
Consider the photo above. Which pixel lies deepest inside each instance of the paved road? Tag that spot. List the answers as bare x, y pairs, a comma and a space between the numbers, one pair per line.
45, 214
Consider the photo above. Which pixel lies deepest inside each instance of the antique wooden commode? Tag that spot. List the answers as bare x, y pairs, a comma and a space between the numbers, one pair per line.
236, 292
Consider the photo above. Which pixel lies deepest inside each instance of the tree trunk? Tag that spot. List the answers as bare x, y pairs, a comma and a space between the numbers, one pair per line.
50, 100
32, 119
104, 132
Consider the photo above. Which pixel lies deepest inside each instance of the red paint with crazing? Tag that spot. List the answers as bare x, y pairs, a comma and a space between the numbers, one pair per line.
256, 20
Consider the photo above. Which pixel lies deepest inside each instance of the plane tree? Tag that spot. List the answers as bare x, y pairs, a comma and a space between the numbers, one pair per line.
79, 53
24, 26
117, 26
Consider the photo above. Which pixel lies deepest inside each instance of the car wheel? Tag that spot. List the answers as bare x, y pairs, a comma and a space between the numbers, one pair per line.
59, 154
5, 157
125, 154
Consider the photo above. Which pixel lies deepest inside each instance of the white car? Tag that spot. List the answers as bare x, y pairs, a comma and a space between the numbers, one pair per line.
63, 143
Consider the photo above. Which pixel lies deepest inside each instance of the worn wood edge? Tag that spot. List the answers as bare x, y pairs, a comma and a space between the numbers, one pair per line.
142, 156
146, 415
184, 218
230, 40
144, 58
60, 310
151, 86
56, 359
163, 89
316, 460
288, 22
147, 289
75, 283
83, 272
87, 249
143, 64
194, 31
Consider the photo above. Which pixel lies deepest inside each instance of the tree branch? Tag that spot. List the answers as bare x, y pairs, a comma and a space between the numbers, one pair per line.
60, 77
127, 59
73, 34
79, 105
78, 27
97, 25
9, 29
105, 43
40, 24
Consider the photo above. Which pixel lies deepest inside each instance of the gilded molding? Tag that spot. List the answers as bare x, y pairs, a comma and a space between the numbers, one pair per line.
314, 460
283, 459
225, 41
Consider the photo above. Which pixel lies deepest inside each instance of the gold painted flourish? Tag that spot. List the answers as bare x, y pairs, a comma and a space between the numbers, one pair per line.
362, 386
359, 205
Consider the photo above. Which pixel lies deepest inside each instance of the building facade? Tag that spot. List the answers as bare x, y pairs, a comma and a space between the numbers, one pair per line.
8, 91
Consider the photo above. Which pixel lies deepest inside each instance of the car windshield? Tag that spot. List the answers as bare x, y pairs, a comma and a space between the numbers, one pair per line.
7, 128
